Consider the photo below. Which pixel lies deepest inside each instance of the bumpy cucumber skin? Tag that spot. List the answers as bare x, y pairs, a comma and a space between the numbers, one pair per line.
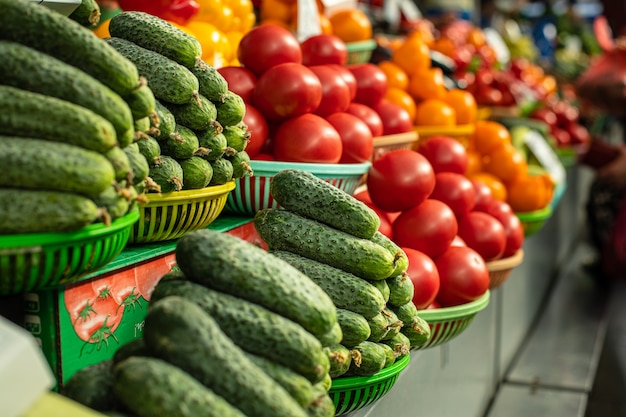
168, 80
29, 69
339, 357
401, 289
142, 125
241, 164
215, 142
167, 122
372, 359
323, 406
232, 110
231, 265
197, 114
383, 287
345, 289
415, 328
138, 164
113, 201
197, 173
170, 391
400, 344
333, 337
402, 261
274, 337
59, 166
158, 35
304, 193
212, 84
92, 387
135, 347
168, 174
21, 114
390, 353
354, 327
54, 34
119, 160
237, 137
182, 144
394, 324
87, 13
285, 230
141, 101
182, 333
222, 171
379, 327
150, 148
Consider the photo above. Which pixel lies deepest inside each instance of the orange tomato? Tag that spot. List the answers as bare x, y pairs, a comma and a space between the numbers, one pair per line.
427, 84
412, 55
351, 25
506, 163
489, 135
396, 76
498, 189
275, 22
325, 25
434, 112
403, 99
102, 31
476, 37
445, 46
464, 104
530, 193
474, 162
276, 10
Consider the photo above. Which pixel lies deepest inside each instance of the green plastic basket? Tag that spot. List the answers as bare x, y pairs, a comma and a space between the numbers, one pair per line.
353, 393
360, 52
533, 221
36, 261
446, 323
252, 194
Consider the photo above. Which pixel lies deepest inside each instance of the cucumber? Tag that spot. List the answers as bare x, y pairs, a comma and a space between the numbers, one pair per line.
197, 173
182, 333
168, 174
150, 149
379, 327
197, 114
87, 13
168, 80
232, 110
59, 167
346, 290
142, 125
390, 354
92, 386
394, 324
29, 69
241, 164
401, 289
215, 142
138, 163
332, 337
400, 344
182, 144
114, 201
141, 100
21, 113
326, 383
234, 266
415, 328
339, 357
323, 406
304, 193
383, 287
54, 34
212, 84
158, 35
121, 165
151, 387
295, 384
222, 171
368, 358
167, 122
402, 261
135, 347
237, 137
284, 230
354, 327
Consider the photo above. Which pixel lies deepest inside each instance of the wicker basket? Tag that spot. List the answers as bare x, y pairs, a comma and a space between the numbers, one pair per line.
384, 144
360, 52
500, 269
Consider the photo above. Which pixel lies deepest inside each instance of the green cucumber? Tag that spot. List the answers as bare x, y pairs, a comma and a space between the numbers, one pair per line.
92, 386
401, 289
197, 114
323, 406
368, 358
197, 173
135, 347
379, 327
87, 13
141, 100
54, 34
383, 287
231, 110
166, 121
234, 266
142, 125
339, 357
215, 142
29, 69
138, 163
120, 162
152, 387
332, 337
169, 81
284, 230
222, 171
354, 327
400, 344
304, 193
212, 84
59, 166
415, 328
326, 383
402, 261
346, 290
181, 332
168, 174
182, 144
21, 114
241, 164
394, 324
390, 354
236, 137
158, 35
150, 148
114, 201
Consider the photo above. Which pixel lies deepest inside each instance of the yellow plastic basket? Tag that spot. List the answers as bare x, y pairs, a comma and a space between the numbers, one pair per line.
360, 52
500, 269
171, 215
461, 132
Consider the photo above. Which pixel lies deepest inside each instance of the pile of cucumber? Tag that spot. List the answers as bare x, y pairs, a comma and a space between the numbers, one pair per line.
333, 239
69, 103
201, 138
235, 332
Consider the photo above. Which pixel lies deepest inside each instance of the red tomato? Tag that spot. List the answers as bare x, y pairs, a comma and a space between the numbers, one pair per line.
287, 90
457, 241
395, 118
445, 154
348, 77
483, 195
513, 228
258, 128
324, 49
266, 46
456, 190
335, 91
371, 83
241, 81
399, 180
425, 278
356, 138
434, 305
369, 116
385, 222
483, 233
463, 276
264, 157
307, 138
429, 228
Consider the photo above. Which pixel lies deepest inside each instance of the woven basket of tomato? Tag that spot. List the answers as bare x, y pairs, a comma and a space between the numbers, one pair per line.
500, 269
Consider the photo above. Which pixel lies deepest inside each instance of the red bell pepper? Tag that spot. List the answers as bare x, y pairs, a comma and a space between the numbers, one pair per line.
177, 11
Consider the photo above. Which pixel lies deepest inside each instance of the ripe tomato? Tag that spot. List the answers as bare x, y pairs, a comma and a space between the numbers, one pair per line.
356, 138
427, 84
351, 25
463, 276
266, 46
425, 277
396, 76
348, 77
434, 112
402, 99
464, 105
482, 194
307, 138
489, 135
371, 83
506, 163
498, 189
429, 227
287, 90
445, 154
456, 190
369, 116
399, 180
324, 49
335, 91
257, 126
412, 55
483, 233
395, 119
385, 221
513, 228
457, 241
240, 81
